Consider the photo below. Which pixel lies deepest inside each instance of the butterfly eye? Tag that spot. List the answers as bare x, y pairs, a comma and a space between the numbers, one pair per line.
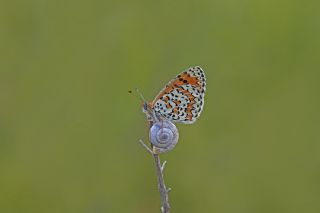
145, 106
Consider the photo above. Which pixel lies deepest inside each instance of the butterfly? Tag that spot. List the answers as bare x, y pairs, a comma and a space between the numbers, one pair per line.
181, 100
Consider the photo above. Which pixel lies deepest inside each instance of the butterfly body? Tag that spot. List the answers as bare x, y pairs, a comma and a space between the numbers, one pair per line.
181, 100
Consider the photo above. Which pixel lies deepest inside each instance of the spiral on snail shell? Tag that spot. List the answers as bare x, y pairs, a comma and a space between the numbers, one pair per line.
164, 136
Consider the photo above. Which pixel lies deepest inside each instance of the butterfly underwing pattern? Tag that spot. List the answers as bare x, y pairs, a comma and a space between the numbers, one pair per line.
182, 99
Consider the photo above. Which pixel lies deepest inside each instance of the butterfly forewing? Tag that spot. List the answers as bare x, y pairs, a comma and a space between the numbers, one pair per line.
182, 99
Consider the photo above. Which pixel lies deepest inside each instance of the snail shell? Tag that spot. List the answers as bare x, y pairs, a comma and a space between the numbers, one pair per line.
164, 136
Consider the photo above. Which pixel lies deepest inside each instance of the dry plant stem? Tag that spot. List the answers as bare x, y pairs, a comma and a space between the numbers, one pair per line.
165, 207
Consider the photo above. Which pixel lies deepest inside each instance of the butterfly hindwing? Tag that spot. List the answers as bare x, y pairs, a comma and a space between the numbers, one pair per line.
182, 98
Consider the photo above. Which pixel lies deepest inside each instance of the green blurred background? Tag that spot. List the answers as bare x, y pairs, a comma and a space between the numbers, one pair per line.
69, 129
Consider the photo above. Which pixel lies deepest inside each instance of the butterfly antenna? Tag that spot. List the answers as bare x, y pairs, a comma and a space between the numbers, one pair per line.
141, 96
138, 95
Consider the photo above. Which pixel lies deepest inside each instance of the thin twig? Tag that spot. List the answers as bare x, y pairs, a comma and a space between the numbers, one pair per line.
145, 146
165, 207
163, 165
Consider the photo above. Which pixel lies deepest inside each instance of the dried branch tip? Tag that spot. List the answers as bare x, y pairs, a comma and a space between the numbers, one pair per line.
145, 146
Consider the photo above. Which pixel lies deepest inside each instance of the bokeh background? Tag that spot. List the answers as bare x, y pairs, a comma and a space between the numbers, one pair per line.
69, 129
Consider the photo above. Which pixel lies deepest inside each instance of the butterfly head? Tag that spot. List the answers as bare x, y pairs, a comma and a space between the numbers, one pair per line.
147, 108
